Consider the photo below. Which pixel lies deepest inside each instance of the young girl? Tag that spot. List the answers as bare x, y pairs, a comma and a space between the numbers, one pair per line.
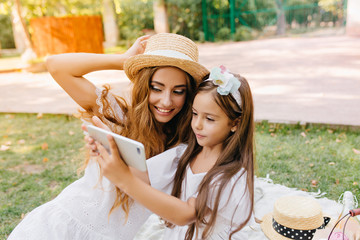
213, 181
164, 80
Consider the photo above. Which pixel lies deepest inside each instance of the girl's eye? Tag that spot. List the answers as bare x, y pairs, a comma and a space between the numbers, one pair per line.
156, 89
179, 92
210, 119
194, 113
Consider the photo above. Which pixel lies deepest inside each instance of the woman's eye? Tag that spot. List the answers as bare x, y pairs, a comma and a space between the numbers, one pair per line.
179, 92
210, 119
155, 89
194, 113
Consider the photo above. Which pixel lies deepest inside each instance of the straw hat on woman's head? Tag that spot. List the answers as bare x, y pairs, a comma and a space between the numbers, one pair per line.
167, 49
294, 217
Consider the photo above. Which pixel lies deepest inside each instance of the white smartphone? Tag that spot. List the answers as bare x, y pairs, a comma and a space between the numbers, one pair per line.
132, 152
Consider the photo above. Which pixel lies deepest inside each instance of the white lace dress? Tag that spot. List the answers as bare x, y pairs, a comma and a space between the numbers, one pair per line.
232, 208
81, 210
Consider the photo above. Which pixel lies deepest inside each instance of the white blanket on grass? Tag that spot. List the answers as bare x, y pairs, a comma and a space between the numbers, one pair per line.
266, 193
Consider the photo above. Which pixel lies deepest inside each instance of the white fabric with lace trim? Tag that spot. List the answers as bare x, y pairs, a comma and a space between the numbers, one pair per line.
117, 114
81, 210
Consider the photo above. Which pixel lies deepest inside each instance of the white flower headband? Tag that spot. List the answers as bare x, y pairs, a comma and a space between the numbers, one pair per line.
227, 82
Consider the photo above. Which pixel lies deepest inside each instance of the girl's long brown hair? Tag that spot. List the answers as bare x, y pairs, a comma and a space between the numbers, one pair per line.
139, 123
237, 154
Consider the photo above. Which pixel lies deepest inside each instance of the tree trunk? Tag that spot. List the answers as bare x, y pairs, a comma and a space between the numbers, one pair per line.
110, 26
161, 24
281, 23
21, 35
28, 54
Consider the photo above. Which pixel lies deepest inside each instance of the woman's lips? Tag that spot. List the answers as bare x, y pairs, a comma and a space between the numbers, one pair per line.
163, 111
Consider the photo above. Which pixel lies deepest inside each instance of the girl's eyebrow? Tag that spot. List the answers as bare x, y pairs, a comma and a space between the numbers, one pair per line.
210, 114
161, 84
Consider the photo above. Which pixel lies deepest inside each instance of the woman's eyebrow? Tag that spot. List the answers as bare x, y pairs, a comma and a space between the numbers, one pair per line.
161, 84
178, 86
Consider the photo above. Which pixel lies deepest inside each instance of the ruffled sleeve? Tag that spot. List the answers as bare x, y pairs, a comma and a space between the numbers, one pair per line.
117, 113
162, 168
234, 204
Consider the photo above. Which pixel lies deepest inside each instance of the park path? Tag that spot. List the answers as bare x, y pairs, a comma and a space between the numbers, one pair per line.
307, 80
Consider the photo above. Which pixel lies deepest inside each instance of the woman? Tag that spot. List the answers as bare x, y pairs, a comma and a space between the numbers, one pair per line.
164, 80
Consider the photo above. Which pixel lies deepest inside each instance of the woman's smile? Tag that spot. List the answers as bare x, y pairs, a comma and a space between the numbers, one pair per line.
167, 93
163, 110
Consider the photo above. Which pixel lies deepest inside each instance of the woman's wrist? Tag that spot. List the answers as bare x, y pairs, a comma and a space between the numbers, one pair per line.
116, 61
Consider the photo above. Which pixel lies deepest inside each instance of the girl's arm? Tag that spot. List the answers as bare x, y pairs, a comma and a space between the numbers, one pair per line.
68, 70
168, 207
143, 176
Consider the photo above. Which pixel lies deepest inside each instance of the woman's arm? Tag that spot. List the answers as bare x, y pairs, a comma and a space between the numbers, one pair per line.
68, 70
168, 207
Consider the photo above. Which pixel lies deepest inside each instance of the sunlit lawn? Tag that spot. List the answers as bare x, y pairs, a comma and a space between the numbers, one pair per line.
39, 156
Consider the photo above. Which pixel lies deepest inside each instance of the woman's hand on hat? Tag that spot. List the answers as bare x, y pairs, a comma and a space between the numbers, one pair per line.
138, 47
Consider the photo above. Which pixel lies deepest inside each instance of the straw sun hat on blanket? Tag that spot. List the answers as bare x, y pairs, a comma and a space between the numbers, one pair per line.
167, 49
294, 217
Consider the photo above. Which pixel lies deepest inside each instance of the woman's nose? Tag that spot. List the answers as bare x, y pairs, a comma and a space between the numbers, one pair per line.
166, 99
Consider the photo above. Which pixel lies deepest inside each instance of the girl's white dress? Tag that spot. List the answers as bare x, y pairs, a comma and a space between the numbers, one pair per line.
81, 210
233, 208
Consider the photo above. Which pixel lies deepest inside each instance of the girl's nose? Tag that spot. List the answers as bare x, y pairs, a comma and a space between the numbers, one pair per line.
198, 123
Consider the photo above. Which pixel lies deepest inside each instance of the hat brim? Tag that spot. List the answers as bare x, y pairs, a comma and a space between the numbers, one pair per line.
270, 233
134, 64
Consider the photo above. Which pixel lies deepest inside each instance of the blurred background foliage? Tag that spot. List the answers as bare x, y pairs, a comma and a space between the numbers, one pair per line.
199, 20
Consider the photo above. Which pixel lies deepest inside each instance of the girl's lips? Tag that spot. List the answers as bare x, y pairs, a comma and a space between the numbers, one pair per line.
199, 136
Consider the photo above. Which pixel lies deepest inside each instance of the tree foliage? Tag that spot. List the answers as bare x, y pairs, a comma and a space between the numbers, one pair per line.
6, 33
134, 17
185, 16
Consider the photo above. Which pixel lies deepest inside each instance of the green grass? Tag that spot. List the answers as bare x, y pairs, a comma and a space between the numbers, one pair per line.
292, 155
297, 155
30, 172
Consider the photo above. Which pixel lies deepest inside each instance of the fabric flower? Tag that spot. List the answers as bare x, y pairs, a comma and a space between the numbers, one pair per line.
218, 77
226, 81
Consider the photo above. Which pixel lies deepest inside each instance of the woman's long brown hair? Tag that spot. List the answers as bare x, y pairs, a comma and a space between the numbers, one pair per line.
139, 123
237, 154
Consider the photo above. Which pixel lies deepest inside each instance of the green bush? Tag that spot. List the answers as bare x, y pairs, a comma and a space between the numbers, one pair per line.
6, 33
223, 34
201, 36
243, 33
